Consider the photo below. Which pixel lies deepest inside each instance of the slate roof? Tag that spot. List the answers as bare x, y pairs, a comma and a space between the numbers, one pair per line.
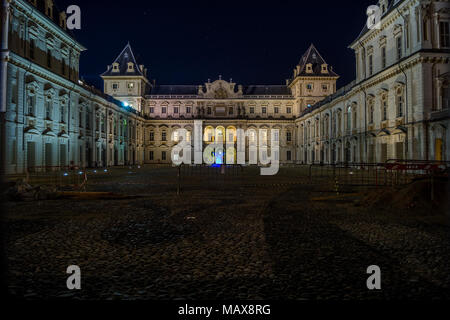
266, 90
174, 90
312, 56
254, 90
392, 5
40, 6
123, 59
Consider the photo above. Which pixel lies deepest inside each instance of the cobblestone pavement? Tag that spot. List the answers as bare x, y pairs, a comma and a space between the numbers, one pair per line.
220, 241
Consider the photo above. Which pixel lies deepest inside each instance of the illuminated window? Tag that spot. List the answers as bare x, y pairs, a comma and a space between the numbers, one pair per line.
175, 136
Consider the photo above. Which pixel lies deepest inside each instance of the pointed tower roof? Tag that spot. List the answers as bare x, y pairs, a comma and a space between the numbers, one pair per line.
313, 57
124, 58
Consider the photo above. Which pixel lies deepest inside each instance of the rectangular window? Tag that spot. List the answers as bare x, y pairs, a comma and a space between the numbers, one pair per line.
151, 155
288, 110
152, 110
370, 65
30, 106
163, 155
164, 110
63, 114
209, 110
188, 109
400, 106
399, 48
324, 87
175, 110
130, 85
115, 86
163, 136
264, 110
444, 34
276, 110
252, 110
288, 155
48, 110
49, 58
309, 86
288, 136
383, 57
384, 103
63, 67
32, 48
152, 136
230, 111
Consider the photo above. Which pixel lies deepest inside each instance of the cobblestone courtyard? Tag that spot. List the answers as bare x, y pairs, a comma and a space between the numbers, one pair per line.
247, 237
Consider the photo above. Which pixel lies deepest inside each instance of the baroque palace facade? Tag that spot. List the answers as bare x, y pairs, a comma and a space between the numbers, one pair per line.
397, 107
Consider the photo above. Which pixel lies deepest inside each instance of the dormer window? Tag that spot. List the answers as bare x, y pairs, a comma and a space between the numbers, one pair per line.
383, 6
309, 68
324, 68
130, 67
49, 8
115, 67
63, 20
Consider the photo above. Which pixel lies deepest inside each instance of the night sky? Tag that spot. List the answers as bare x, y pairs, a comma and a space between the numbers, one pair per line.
252, 42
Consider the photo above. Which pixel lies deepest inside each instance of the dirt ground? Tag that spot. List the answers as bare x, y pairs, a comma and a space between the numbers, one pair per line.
232, 236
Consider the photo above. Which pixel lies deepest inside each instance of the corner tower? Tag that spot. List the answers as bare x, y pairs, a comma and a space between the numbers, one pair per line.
126, 80
313, 79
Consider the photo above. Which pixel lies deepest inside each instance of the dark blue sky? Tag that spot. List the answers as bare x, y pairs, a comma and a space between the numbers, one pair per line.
253, 42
